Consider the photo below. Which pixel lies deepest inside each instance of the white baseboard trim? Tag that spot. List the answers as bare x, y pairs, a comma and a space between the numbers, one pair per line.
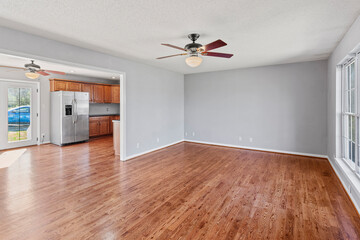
348, 184
46, 142
152, 150
258, 149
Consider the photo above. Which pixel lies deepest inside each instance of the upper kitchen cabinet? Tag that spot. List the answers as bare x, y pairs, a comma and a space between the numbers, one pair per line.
56, 85
98, 93
115, 94
73, 87
90, 89
107, 94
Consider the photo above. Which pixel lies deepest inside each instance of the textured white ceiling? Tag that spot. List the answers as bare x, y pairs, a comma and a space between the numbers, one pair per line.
15, 61
258, 32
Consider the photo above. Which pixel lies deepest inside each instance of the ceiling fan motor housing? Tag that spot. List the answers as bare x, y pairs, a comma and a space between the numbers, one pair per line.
192, 48
32, 66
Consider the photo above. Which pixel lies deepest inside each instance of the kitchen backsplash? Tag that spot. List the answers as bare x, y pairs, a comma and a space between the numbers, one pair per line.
103, 108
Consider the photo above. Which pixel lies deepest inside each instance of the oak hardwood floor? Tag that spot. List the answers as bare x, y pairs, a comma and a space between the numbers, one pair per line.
186, 191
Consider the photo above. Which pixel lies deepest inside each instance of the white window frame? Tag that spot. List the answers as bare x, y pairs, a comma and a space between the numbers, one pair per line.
346, 115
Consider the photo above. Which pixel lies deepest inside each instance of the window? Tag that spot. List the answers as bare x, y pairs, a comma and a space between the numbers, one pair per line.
350, 114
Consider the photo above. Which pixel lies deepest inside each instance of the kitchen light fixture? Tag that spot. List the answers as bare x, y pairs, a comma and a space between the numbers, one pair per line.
32, 75
113, 77
193, 61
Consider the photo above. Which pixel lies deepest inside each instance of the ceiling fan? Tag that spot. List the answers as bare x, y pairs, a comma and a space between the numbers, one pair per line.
34, 70
193, 50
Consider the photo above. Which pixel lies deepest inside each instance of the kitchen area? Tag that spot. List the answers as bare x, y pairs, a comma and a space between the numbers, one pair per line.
87, 108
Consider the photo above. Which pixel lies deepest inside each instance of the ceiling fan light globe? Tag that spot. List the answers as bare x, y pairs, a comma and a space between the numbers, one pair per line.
193, 61
32, 75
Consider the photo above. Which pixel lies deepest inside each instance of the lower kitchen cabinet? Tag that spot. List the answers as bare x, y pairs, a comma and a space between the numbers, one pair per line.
104, 126
94, 129
99, 126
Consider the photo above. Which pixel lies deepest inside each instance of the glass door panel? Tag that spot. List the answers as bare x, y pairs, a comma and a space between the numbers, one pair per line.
19, 114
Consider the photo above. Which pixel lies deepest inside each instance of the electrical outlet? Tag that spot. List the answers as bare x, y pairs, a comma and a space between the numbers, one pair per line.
193, 134
42, 137
107, 109
185, 133
137, 145
240, 138
251, 139
158, 139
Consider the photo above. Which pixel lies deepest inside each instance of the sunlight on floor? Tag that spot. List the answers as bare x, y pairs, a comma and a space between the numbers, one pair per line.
9, 157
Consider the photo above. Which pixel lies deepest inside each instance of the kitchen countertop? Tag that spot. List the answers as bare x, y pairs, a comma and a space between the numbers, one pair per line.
102, 115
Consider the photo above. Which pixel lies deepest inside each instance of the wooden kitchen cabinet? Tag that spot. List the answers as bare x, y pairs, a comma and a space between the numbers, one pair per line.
64, 86
107, 94
99, 126
104, 126
90, 89
57, 86
73, 87
98, 93
94, 129
115, 94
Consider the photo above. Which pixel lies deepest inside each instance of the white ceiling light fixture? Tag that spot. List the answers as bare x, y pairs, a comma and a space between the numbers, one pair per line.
32, 75
193, 61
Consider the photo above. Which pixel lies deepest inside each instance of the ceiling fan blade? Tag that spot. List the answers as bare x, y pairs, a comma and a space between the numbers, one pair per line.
213, 45
13, 67
173, 46
216, 54
172, 55
43, 73
55, 72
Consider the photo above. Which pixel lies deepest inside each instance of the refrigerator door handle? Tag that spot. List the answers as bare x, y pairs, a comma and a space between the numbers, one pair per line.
76, 113
73, 113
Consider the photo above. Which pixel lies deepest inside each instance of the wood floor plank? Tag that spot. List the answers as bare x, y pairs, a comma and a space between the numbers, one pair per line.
186, 191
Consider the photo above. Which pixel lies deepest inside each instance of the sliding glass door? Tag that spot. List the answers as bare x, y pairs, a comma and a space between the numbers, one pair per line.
19, 112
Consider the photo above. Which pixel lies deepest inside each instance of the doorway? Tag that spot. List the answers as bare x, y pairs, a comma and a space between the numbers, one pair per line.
19, 114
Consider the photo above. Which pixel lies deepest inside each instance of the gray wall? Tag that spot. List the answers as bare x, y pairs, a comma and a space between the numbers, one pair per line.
155, 97
280, 107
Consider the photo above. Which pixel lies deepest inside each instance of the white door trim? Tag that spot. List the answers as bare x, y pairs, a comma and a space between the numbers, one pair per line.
123, 117
37, 83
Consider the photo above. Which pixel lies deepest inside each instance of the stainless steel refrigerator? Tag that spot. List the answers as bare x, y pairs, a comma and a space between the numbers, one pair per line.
69, 117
